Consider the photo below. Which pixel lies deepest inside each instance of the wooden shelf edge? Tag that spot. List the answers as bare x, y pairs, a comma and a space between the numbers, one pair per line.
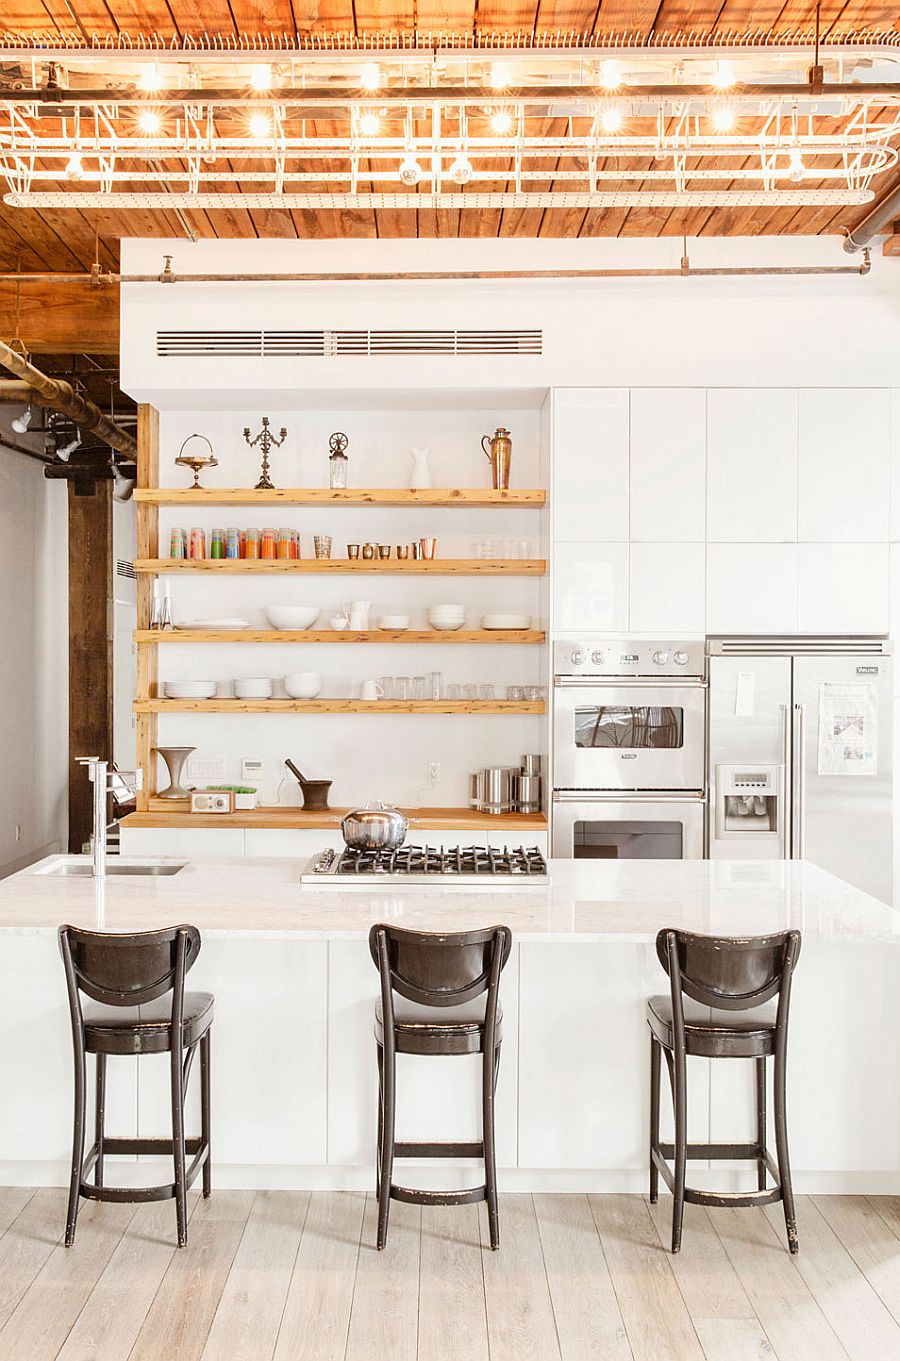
338, 706
521, 567
153, 637
353, 496
286, 819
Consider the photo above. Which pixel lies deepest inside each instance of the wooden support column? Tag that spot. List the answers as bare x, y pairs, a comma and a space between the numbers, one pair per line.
90, 646
147, 656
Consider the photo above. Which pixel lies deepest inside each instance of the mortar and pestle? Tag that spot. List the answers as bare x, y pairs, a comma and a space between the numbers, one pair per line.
315, 792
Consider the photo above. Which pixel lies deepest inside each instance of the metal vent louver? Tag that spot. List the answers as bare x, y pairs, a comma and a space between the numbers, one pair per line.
808, 645
125, 569
345, 344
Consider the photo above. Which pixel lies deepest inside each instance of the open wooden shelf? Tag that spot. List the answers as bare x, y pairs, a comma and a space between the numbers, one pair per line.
440, 636
467, 567
528, 497
338, 706
176, 813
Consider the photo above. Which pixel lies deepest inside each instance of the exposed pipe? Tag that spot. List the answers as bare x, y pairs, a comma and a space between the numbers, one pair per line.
61, 396
21, 449
11, 390
879, 216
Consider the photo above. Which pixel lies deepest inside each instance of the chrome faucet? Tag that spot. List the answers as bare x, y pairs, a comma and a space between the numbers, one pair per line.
103, 781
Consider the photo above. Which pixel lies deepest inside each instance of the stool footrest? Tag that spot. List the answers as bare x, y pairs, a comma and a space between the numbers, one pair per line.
714, 1151
415, 1196
732, 1199
439, 1150
128, 1194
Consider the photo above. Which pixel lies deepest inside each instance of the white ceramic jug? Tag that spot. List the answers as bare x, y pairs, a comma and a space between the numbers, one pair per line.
420, 476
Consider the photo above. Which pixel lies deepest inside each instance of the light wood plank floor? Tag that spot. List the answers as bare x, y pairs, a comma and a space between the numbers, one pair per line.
273, 1275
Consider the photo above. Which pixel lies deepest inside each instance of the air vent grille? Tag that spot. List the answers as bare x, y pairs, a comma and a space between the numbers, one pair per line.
125, 569
345, 344
804, 646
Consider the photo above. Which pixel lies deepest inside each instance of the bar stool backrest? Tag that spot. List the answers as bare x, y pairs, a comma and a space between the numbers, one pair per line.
734, 973
125, 970
439, 970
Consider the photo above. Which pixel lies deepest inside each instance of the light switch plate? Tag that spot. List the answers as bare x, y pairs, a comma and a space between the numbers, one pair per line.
207, 768
252, 770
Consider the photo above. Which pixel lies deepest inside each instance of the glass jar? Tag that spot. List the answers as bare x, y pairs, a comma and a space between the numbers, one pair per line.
338, 463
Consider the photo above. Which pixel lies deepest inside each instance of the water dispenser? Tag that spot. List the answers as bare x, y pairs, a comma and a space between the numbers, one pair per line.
748, 800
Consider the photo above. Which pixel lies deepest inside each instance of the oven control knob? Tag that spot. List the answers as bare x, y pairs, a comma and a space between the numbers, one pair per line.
660, 658
598, 658
680, 658
577, 657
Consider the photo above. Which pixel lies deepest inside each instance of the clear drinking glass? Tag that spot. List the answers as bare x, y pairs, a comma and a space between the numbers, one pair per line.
470, 692
515, 692
417, 688
434, 685
387, 686
534, 693
526, 549
401, 687
452, 692
486, 692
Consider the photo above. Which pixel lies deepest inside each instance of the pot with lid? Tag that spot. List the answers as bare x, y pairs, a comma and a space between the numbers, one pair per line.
376, 827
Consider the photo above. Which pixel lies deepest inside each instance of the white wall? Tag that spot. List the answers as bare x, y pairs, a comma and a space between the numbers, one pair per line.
33, 662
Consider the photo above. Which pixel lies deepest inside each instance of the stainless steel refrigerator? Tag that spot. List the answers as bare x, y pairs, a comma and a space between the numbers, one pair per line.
800, 754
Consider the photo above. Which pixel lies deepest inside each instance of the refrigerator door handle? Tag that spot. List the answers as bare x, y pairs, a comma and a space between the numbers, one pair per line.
786, 790
799, 782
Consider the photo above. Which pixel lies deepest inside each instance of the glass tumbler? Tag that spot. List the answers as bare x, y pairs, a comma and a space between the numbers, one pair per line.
486, 692
452, 692
401, 687
417, 688
434, 685
515, 692
470, 692
387, 687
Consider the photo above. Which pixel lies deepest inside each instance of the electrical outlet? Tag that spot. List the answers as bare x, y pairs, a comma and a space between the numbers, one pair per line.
433, 772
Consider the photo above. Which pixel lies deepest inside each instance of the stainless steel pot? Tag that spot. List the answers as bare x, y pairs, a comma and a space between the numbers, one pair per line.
377, 827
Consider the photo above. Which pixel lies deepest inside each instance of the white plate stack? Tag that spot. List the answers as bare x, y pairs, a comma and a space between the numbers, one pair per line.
257, 688
446, 616
506, 621
189, 689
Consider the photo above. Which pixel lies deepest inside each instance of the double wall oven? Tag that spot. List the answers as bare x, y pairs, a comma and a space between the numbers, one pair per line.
629, 749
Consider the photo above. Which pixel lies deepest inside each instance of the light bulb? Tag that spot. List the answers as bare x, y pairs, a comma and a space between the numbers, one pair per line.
611, 119
461, 170
260, 126
410, 171
723, 75
369, 124
610, 75
723, 118
499, 76
149, 121
796, 165
370, 77
502, 122
150, 78
261, 77
74, 167
67, 450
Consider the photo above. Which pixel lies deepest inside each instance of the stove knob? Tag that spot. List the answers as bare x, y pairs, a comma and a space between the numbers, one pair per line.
577, 657
598, 658
680, 658
660, 658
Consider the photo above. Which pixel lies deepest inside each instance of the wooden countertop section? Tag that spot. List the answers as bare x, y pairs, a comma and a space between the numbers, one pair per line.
286, 819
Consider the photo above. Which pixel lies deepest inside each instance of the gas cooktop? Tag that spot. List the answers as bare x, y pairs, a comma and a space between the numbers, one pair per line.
482, 865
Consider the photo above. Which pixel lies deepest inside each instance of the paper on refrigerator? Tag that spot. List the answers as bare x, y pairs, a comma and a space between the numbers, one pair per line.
848, 728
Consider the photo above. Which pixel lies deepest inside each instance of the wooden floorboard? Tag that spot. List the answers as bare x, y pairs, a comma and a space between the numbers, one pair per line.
294, 1276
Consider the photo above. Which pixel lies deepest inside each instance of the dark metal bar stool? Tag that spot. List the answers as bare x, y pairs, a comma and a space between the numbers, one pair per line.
132, 977
731, 976
452, 973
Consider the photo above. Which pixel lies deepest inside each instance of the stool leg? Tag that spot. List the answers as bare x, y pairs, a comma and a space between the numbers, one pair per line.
77, 1142
781, 1148
204, 1115
490, 1066
99, 1112
761, 1131
387, 1144
654, 1116
679, 1090
178, 1157
379, 1138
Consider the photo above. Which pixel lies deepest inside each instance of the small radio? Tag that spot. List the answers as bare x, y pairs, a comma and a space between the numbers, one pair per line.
212, 801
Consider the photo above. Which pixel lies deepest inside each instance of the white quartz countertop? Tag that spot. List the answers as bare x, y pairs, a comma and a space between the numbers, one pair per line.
627, 901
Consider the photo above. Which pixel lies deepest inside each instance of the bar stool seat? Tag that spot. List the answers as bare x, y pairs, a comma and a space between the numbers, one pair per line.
146, 1029
711, 1033
452, 1030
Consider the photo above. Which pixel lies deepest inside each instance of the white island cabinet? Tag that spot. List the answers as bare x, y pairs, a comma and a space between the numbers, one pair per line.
293, 1054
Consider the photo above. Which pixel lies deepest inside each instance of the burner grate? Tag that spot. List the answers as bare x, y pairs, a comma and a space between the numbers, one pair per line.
438, 860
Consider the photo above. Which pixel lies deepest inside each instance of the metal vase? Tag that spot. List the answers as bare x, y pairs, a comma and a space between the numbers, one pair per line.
174, 758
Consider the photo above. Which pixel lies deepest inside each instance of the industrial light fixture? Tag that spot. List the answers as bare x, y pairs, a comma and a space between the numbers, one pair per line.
610, 75
150, 77
501, 122
499, 76
67, 450
611, 119
369, 123
370, 77
75, 167
149, 121
21, 423
260, 126
723, 75
410, 171
261, 77
123, 484
461, 170
796, 164
723, 118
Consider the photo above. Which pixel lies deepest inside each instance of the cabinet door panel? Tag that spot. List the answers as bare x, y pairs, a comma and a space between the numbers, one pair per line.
844, 588
751, 588
752, 465
590, 463
590, 587
668, 464
844, 465
667, 588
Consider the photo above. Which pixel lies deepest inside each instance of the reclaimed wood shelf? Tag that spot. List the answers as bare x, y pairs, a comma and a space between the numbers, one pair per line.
527, 497
440, 636
338, 706
467, 567
176, 813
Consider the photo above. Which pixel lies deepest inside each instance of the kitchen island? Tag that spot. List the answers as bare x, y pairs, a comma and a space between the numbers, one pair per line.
293, 1054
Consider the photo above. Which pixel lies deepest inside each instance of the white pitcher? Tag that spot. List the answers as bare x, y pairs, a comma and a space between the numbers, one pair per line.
420, 476
359, 614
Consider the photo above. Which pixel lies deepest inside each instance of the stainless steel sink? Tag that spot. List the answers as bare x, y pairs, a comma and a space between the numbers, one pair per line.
75, 870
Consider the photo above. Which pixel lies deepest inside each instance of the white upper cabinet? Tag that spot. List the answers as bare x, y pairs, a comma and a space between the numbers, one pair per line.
844, 588
844, 438
590, 464
751, 465
668, 465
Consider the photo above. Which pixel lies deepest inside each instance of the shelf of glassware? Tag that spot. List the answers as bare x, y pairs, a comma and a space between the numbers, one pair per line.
527, 498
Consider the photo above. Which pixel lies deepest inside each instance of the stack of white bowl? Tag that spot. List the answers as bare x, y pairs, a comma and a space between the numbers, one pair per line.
446, 616
256, 688
189, 689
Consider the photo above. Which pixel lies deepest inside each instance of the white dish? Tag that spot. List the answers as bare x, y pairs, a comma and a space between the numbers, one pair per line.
449, 626
292, 616
395, 622
215, 624
174, 691
253, 689
506, 621
303, 684
338, 623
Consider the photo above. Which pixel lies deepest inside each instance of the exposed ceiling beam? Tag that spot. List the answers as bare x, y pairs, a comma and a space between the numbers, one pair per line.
61, 317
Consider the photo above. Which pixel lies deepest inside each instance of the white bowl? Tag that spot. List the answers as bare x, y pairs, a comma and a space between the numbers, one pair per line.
303, 684
506, 621
338, 622
394, 621
292, 616
253, 689
446, 626
446, 618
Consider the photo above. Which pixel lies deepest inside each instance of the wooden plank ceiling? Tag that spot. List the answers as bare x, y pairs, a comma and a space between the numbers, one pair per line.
71, 239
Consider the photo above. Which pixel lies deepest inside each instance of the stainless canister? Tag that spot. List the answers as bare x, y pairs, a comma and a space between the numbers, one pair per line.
497, 781
527, 793
532, 763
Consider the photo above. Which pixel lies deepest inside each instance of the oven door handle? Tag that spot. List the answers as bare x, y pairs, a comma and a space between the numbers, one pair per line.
629, 682
598, 797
